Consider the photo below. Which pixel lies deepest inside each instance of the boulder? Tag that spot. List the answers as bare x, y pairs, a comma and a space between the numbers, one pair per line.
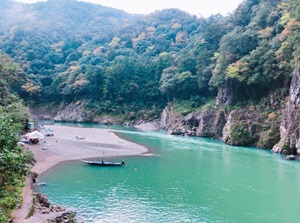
290, 157
42, 200
66, 217
211, 123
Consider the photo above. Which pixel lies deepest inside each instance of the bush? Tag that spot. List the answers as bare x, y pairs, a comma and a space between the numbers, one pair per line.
14, 161
240, 136
269, 138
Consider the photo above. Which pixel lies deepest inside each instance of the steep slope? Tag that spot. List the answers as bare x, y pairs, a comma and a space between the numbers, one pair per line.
289, 127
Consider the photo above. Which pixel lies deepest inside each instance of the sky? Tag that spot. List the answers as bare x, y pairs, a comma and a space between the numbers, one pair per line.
203, 8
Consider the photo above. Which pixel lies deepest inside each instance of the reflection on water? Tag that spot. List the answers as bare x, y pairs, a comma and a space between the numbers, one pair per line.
186, 180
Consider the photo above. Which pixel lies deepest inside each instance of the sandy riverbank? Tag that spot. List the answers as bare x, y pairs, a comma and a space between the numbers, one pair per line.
65, 145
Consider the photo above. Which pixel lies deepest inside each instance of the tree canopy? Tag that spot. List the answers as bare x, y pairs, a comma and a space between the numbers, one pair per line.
107, 57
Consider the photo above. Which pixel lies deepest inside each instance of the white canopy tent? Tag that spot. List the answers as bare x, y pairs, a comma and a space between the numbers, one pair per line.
35, 135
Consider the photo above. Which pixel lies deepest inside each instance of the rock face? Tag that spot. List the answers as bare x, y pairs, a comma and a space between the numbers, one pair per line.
176, 123
243, 127
66, 217
208, 123
43, 206
225, 95
289, 127
164, 119
73, 112
70, 112
211, 123
247, 126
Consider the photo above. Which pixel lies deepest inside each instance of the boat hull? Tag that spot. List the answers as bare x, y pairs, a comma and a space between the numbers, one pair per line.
103, 163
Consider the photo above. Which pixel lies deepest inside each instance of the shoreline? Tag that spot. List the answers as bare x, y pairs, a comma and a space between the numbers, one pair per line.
70, 144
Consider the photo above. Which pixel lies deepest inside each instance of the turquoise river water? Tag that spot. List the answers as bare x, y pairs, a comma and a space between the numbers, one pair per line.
185, 180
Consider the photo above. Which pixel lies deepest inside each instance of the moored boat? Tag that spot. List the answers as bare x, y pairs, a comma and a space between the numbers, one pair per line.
104, 163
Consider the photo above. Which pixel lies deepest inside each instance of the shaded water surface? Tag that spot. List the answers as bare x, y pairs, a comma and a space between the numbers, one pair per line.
185, 180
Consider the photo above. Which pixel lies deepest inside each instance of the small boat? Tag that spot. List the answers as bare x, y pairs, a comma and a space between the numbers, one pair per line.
103, 163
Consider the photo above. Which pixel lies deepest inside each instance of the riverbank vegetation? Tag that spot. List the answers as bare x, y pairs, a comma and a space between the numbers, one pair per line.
14, 160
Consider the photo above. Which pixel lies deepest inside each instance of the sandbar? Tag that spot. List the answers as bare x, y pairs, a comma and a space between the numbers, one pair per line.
71, 143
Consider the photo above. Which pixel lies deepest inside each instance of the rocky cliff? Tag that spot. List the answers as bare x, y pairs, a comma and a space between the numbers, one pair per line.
289, 127
205, 124
62, 112
247, 126
74, 112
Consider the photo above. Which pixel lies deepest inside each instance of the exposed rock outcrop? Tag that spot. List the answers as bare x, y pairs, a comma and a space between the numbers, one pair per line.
175, 123
73, 112
211, 123
243, 127
249, 126
43, 206
66, 217
208, 123
62, 112
164, 118
225, 95
289, 127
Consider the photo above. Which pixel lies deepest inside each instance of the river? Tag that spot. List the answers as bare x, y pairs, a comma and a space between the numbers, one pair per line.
182, 180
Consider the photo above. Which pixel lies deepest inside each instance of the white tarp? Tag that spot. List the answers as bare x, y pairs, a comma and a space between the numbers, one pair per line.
35, 135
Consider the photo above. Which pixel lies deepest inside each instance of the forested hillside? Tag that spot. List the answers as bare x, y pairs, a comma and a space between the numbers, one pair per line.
109, 62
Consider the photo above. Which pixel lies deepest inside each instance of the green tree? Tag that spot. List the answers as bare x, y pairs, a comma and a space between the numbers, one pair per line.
178, 85
14, 160
9, 76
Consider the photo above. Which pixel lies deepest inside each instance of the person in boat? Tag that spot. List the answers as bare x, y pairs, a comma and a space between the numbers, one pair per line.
123, 163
